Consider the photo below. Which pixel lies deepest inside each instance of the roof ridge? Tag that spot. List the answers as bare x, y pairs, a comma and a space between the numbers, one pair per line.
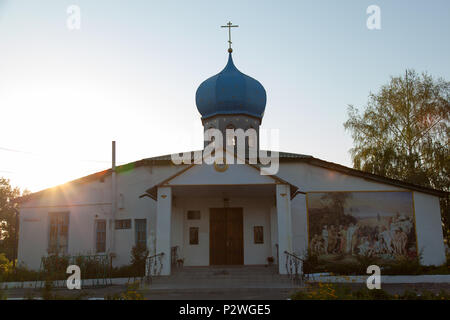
286, 155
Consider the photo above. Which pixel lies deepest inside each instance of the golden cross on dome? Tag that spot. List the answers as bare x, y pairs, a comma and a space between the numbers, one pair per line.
229, 26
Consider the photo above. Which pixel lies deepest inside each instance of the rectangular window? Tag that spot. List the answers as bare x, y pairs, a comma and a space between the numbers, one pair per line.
193, 215
193, 235
123, 224
100, 235
140, 226
258, 234
58, 239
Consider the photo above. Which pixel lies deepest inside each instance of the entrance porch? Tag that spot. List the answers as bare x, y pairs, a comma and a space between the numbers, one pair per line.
222, 216
218, 225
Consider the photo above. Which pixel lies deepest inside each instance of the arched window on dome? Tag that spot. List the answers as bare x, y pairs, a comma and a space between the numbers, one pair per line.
252, 138
231, 139
208, 133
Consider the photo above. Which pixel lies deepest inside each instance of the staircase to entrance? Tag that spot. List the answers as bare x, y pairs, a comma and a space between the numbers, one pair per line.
223, 277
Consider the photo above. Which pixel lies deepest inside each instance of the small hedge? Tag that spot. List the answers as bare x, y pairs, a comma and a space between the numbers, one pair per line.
404, 266
54, 268
330, 291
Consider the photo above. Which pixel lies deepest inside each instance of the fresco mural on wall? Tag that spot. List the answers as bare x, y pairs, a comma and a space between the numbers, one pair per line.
343, 225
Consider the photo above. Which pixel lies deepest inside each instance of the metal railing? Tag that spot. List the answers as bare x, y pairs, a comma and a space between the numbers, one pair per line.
278, 257
294, 268
153, 266
174, 256
95, 267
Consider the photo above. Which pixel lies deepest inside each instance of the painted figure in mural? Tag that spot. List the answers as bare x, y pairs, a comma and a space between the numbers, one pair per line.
386, 239
364, 247
342, 237
403, 242
355, 240
337, 247
325, 238
350, 233
332, 239
378, 245
405, 223
367, 226
400, 240
396, 241
314, 244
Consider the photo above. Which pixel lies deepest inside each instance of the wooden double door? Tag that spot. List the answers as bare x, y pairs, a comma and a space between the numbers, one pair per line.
226, 236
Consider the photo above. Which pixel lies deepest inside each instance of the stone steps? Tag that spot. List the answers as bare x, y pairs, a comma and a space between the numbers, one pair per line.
223, 277
226, 272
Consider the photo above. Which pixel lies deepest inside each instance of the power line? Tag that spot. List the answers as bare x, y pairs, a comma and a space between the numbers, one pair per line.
14, 150
39, 155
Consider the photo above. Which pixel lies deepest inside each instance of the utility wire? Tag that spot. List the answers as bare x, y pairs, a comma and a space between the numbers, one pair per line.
34, 154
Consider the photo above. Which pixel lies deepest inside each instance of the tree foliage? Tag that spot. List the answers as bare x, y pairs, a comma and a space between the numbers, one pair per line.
8, 217
403, 133
332, 213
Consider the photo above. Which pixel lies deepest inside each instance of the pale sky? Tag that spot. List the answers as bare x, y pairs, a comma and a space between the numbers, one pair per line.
130, 74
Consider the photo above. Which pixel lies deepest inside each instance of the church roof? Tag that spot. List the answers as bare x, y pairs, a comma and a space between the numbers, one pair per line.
284, 157
230, 92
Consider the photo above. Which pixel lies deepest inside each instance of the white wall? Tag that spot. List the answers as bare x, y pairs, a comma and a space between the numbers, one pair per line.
274, 234
299, 224
86, 202
312, 178
34, 231
429, 229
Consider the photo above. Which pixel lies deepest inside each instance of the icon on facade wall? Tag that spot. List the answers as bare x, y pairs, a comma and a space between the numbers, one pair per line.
344, 225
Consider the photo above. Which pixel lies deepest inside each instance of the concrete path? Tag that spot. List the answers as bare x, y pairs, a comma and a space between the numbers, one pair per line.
225, 283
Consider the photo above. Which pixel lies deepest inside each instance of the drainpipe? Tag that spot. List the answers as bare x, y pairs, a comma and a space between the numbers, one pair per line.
113, 198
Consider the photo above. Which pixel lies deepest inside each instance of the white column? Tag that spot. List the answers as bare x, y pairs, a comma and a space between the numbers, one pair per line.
163, 226
284, 224
274, 233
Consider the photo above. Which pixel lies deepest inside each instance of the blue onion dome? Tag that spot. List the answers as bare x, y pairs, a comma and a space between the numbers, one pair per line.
230, 92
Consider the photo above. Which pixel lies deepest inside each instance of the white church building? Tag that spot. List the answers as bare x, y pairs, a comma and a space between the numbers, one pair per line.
232, 214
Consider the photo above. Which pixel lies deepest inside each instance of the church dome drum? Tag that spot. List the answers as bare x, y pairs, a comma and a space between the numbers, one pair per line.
231, 92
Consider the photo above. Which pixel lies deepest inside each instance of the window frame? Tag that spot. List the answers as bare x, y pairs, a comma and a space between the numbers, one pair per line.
258, 230
136, 232
97, 231
119, 224
196, 237
195, 217
56, 248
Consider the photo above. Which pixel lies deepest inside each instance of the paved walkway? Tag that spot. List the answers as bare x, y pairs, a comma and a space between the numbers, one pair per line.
229, 283
212, 293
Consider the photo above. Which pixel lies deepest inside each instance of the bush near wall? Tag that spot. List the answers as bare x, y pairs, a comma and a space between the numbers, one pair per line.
5, 264
20, 273
54, 268
330, 291
402, 266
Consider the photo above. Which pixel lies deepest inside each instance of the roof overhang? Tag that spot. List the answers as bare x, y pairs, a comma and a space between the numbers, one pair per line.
284, 156
238, 176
